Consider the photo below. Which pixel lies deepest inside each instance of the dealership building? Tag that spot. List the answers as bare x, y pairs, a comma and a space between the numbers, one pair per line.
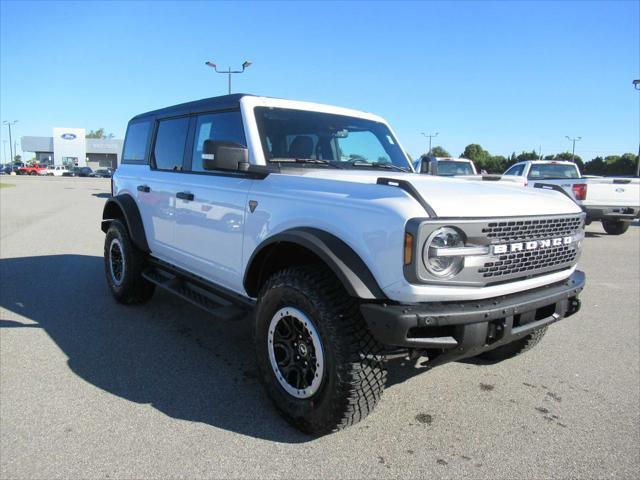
68, 146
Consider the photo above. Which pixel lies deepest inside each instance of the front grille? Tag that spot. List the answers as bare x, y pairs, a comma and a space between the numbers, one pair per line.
525, 263
535, 229
512, 263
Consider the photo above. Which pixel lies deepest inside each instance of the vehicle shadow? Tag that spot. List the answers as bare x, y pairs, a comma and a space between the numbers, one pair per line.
165, 353
101, 195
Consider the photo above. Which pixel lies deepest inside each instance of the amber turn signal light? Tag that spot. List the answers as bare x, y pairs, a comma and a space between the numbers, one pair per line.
408, 248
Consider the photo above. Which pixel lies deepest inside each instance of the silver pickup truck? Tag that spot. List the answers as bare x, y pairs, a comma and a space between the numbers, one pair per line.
613, 201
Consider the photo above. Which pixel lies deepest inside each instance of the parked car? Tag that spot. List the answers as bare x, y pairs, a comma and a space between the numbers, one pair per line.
613, 201
35, 169
445, 166
311, 217
11, 169
78, 172
55, 170
103, 173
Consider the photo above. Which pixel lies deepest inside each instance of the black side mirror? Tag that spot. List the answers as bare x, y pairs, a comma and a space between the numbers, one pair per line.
424, 165
222, 155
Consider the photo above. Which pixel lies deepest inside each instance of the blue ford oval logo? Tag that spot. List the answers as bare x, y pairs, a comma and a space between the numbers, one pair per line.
620, 190
68, 136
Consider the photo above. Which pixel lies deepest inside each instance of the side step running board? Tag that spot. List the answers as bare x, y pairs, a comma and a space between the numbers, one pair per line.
197, 292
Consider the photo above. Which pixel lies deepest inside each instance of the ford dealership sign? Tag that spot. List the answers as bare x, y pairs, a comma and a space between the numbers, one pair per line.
68, 136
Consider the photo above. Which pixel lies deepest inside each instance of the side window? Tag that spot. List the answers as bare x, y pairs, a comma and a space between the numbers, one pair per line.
168, 152
225, 126
135, 145
515, 170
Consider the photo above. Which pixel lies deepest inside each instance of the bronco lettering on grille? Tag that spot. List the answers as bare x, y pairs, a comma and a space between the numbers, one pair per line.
531, 245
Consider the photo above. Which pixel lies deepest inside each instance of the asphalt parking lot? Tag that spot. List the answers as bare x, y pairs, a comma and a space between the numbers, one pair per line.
93, 389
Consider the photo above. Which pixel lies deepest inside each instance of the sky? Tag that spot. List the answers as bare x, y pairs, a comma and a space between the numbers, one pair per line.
511, 76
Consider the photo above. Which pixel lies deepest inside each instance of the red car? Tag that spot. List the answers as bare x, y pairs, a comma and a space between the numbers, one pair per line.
35, 169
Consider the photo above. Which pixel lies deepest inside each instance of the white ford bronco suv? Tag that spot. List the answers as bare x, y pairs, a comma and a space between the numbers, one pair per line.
312, 218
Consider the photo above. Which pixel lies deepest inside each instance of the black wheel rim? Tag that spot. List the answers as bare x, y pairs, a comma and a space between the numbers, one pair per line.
295, 352
116, 261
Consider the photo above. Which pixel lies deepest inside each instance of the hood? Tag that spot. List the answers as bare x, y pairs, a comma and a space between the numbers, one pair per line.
450, 197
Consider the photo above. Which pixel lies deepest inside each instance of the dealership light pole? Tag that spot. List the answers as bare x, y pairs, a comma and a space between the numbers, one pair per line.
430, 136
573, 150
636, 85
229, 72
8, 124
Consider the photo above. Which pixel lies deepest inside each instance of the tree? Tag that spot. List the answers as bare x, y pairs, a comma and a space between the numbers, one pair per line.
496, 164
17, 158
99, 133
612, 165
438, 151
595, 167
532, 155
475, 152
484, 160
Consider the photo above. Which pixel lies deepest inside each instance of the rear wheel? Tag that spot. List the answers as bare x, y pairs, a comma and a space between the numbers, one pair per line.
317, 359
123, 264
512, 349
615, 227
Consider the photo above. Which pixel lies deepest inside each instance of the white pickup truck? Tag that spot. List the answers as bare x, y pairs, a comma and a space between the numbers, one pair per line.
613, 201
445, 166
311, 218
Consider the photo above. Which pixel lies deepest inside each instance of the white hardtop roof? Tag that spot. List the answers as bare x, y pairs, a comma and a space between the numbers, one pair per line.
311, 106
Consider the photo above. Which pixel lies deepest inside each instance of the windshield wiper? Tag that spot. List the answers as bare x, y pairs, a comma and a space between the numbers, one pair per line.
312, 161
386, 165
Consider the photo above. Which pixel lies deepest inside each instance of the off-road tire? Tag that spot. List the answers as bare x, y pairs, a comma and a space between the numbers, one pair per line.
518, 347
615, 227
132, 287
354, 373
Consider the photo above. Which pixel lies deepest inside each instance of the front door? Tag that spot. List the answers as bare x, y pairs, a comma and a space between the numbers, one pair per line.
210, 216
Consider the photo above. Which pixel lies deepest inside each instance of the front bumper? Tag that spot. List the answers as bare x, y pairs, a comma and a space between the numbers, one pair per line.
595, 213
464, 329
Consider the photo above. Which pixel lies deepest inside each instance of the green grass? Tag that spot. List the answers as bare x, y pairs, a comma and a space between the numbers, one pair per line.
6, 185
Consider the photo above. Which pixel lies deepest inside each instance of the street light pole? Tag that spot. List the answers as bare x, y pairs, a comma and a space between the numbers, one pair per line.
8, 124
573, 151
636, 85
430, 136
229, 72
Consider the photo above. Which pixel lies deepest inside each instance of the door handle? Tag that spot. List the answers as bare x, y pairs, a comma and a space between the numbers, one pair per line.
144, 188
185, 196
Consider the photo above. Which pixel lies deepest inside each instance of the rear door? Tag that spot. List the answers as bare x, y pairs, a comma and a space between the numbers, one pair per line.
158, 182
210, 217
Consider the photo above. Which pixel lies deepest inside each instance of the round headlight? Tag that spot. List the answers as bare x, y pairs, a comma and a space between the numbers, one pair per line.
434, 256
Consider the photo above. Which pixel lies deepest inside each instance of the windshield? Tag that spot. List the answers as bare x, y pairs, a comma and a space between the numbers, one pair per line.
450, 168
553, 170
327, 139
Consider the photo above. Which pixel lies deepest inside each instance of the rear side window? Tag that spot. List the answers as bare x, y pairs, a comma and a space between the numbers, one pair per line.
135, 145
515, 170
168, 152
225, 126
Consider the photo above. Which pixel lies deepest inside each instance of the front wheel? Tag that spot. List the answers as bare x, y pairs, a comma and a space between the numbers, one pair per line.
317, 359
615, 227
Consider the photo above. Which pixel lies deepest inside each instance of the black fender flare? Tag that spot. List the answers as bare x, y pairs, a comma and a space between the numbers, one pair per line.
124, 207
343, 261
